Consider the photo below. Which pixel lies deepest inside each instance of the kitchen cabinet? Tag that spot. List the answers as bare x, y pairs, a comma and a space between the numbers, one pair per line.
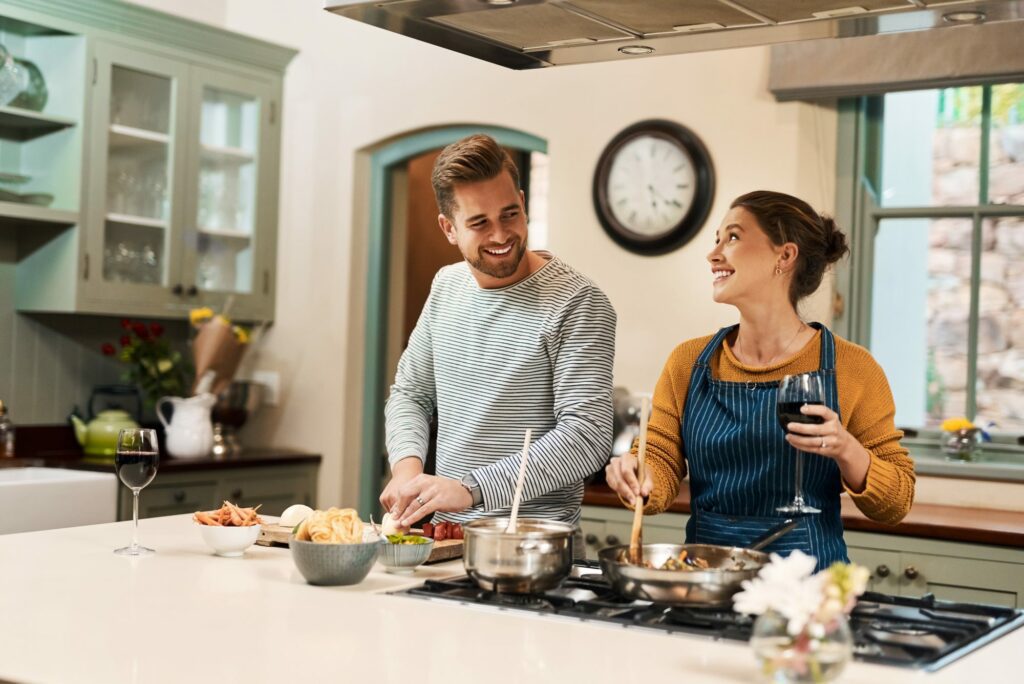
953, 571
273, 488
172, 174
603, 527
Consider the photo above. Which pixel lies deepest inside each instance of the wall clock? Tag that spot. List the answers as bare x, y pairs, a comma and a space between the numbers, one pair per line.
653, 187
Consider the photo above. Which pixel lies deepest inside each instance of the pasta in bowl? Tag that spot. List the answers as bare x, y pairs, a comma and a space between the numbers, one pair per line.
334, 547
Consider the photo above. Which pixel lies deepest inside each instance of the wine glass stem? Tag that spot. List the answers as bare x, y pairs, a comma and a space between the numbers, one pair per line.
798, 499
135, 518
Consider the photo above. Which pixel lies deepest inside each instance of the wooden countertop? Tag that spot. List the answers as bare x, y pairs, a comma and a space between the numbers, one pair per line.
951, 523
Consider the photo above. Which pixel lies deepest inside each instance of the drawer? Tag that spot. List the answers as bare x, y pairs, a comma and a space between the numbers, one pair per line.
272, 494
170, 499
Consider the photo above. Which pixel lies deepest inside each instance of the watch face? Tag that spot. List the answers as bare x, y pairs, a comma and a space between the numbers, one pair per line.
653, 187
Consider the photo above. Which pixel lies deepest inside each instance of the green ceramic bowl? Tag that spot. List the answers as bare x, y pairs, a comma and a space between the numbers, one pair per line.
333, 564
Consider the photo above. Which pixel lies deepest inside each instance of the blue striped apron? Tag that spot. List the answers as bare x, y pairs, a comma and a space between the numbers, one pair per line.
741, 467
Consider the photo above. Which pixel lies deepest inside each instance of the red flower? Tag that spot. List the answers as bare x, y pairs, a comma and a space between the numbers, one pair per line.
108, 349
125, 340
156, 329
126, 323
141, 330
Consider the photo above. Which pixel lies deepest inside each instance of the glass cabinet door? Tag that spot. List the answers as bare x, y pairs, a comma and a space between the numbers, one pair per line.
233, 117
137, 103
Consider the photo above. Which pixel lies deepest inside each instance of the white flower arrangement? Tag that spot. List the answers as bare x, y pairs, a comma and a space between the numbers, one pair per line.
807, 601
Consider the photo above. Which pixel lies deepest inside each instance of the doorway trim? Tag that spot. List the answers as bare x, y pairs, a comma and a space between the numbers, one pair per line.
382, 162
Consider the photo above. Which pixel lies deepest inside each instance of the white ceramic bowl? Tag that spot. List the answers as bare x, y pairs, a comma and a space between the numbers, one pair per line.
229, 542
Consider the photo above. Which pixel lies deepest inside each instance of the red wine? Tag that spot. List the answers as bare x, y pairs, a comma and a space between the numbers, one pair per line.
789, 412
136, 468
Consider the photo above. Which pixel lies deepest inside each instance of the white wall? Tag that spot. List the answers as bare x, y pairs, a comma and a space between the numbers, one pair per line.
352, 86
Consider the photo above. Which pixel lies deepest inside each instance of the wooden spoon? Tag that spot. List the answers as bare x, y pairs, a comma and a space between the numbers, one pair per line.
636, 538
511, 529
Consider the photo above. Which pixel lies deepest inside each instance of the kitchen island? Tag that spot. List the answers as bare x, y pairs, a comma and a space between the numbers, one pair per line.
72, 611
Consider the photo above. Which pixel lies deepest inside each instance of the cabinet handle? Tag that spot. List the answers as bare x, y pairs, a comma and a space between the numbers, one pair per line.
237, 494
591, 539
911, 572
192, 291
882, 571
179, 496
177, 290
85, 267
611, 540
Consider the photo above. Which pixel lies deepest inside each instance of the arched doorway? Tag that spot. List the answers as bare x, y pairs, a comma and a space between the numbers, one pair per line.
383, 164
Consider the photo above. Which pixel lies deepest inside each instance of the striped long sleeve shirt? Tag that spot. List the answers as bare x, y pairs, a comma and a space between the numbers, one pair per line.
537, 354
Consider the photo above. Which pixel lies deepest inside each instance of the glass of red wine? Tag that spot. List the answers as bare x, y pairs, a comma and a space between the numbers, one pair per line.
794, 392
136, 461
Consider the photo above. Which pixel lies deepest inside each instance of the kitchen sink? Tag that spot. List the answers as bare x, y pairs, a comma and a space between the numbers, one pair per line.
45, 498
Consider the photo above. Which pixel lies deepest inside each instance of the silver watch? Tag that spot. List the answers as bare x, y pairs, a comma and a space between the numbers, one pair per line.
473, 487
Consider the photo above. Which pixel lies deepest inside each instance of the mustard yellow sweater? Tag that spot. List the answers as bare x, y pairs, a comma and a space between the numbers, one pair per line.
865, 405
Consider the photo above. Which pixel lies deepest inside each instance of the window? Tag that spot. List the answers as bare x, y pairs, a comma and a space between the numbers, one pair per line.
936, 280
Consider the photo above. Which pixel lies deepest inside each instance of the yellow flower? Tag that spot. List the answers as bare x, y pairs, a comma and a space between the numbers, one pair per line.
199, 316
241, 334
957, 424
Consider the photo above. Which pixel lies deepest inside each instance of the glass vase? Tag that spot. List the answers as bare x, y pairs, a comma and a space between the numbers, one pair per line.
963, 445
819, 653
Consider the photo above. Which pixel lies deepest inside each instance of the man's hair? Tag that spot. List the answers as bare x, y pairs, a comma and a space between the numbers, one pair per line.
470, 160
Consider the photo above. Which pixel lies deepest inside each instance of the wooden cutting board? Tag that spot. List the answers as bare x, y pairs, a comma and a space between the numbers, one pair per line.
278, 535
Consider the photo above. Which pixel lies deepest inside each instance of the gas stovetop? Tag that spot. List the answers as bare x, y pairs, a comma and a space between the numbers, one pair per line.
918, 633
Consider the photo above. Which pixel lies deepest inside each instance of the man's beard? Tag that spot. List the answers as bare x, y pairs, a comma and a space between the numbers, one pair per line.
505, 267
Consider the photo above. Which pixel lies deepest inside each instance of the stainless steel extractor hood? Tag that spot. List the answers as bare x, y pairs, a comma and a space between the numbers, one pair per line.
527, 34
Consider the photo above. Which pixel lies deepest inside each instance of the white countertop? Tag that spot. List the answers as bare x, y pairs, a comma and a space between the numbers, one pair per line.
72, 611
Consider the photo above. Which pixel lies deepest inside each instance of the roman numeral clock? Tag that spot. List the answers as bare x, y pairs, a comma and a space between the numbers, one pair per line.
653, 187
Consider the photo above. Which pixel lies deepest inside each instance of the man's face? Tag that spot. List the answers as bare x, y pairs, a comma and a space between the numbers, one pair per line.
489, 228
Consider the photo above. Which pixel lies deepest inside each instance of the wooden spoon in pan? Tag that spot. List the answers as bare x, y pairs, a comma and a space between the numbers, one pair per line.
636, 538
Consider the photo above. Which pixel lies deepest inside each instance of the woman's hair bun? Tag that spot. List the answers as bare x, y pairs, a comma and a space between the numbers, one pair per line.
836, 245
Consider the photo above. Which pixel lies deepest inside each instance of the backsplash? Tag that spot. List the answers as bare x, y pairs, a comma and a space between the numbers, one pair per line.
49, 363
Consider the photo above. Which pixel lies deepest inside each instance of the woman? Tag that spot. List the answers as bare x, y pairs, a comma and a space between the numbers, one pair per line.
714, 406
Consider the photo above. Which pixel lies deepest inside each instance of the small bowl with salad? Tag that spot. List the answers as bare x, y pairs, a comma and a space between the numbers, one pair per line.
401, 553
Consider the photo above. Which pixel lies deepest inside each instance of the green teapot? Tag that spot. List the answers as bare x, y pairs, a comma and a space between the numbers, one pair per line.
98, 437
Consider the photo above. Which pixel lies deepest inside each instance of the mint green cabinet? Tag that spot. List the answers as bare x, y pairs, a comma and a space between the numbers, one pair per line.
603, 527
272, 488
161, 152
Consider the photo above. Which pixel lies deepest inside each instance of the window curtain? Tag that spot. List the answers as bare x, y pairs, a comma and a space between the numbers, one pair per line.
915, 60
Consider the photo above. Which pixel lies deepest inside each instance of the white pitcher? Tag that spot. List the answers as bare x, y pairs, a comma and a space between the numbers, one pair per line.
190, 433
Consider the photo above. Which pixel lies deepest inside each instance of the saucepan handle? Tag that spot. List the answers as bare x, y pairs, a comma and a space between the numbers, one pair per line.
771, 535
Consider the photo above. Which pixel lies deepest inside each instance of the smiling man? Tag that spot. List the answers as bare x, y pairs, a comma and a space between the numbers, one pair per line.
510, 339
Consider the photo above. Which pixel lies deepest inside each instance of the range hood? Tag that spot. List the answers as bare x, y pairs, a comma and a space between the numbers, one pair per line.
528, 34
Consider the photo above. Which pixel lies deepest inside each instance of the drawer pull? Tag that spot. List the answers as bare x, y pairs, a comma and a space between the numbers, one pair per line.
236, 494
591, 539
911, 572
179, 496
882, 570
611, 540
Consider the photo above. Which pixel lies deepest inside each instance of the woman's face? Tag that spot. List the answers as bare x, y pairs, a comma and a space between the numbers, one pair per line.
743, 261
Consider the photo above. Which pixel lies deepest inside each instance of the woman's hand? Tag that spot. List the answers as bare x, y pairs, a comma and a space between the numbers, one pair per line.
620, 473
831, 440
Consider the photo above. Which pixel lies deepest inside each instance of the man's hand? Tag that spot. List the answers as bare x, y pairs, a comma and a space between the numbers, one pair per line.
401, 473
425, 494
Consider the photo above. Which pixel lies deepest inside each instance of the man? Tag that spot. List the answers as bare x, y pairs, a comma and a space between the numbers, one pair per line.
508, 340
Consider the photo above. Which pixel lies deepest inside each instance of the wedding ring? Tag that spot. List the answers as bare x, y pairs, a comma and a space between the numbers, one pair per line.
421, 501
822, 443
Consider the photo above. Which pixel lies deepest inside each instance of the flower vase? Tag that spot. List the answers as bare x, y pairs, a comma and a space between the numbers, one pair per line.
818, 653
963, 445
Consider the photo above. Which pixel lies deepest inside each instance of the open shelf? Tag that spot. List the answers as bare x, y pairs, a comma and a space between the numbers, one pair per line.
227, 155
226, 234
17, 214
23, 124
128, 136
142, 221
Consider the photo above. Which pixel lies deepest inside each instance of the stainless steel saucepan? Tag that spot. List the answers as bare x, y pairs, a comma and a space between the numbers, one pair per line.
533, 559
727, 567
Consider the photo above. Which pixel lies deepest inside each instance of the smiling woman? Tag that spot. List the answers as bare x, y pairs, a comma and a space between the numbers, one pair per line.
714, 411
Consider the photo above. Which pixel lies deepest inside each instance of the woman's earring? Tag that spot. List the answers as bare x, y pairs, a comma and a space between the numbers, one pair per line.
778, 270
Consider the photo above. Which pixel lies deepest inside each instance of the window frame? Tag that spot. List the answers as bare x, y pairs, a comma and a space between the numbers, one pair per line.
858, 182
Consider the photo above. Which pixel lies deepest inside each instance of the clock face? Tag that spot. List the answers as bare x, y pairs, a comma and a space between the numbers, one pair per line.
653, 187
